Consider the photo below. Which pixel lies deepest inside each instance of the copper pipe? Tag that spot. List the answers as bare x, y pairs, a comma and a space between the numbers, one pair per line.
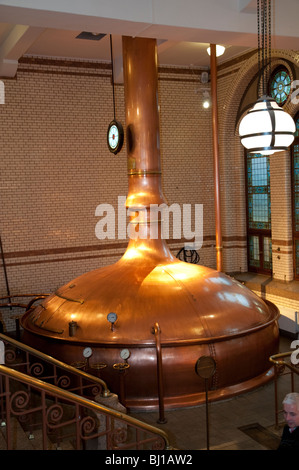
143, 145
157, 332
142, 121
213, 62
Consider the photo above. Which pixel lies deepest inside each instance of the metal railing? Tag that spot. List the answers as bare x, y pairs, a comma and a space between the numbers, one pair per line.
280, 363
24, 358
64, 415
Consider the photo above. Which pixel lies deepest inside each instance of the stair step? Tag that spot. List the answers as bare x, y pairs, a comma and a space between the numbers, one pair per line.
19, 439
22, 440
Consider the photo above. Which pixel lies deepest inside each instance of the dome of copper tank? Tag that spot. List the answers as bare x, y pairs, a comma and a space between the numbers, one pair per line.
200, 311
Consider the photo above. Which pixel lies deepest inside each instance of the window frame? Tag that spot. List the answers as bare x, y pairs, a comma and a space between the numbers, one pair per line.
282, 68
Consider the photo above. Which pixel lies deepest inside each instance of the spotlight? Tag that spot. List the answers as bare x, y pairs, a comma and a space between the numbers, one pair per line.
206, 99
219, 50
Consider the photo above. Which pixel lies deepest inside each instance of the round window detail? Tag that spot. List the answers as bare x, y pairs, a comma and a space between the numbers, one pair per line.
280, 85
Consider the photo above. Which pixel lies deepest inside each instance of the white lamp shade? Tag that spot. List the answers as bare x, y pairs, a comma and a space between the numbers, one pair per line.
267, 128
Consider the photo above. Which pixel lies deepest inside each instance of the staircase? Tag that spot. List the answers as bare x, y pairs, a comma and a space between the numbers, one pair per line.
48, 405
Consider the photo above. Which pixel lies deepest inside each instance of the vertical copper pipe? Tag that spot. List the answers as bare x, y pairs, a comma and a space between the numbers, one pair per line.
213, 62
207, 413
143, 146
157, 331
8, 416
275, 395
142, 121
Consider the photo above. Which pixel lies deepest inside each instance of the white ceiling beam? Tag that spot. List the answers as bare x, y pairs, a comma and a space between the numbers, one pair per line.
248, 6
14, 46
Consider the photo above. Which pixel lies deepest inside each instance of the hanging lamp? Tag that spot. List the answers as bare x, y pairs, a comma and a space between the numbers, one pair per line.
266, 128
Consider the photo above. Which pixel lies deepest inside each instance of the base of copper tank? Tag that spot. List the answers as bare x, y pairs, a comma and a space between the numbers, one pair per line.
189, 401
242, 364
136, 401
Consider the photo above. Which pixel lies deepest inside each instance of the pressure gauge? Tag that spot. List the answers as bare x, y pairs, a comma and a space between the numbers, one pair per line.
125, 354
87, 352
112, 317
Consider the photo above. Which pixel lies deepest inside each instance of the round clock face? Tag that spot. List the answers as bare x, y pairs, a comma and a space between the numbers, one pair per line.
87, 352
115, 136
112, 317
125, 354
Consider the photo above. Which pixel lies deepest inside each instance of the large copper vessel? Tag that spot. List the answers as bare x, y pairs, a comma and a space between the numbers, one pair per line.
200, 311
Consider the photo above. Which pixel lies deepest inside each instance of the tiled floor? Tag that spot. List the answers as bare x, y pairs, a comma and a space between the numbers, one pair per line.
186, 428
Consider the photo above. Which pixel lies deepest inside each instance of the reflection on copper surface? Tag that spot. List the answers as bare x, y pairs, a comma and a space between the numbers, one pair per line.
200, 311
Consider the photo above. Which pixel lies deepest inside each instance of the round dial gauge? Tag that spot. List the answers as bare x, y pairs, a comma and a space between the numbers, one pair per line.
112, 317
87, 352
125, 354
115, 136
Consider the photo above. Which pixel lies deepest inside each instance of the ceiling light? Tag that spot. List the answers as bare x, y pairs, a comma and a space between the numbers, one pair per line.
266, 128
219, 50
90, 36
206, 99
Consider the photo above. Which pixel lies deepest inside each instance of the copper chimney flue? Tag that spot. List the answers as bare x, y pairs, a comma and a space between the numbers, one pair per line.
200, 311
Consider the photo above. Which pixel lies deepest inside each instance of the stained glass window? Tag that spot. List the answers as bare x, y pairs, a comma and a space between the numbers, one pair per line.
254, 251
280, 85
263, 262
267, 261
259, 213
258, 184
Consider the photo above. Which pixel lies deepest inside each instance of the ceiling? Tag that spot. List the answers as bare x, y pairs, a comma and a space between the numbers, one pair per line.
183, 28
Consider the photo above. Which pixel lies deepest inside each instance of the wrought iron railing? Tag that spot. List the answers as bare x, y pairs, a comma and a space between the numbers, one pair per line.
29, 374
63, 415
282, 361
30, 361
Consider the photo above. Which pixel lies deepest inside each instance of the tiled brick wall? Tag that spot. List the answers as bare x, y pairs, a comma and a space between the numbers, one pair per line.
56, 167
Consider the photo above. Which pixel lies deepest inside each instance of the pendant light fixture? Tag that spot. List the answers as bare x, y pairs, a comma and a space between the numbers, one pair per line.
266, 128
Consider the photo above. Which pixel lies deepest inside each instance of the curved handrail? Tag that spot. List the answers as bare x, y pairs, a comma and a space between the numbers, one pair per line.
18, 304
278, 361
275, 359
65, 394
58, 363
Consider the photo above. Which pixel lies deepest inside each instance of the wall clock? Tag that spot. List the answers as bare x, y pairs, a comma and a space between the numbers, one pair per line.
115, 136
115, 132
